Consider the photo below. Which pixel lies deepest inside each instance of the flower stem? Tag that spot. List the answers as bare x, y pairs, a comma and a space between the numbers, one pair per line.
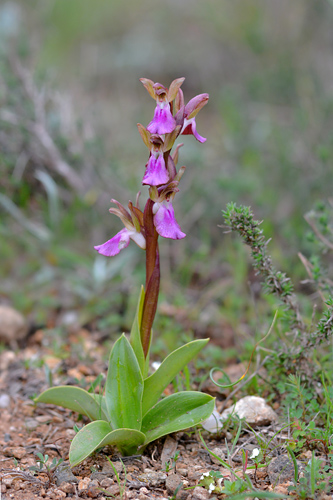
152, 277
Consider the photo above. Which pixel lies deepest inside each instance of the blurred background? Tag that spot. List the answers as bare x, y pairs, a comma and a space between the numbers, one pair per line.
70, 98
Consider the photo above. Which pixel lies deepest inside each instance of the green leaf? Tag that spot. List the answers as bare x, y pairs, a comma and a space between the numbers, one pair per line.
177, 412
256, 494
124, 387
135, 337
99, 434
76, 399
171, 366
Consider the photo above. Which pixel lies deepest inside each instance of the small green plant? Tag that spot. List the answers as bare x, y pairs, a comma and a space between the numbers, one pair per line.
314, 482
241, 220
171, 463
44, 466
230, 484
130, 414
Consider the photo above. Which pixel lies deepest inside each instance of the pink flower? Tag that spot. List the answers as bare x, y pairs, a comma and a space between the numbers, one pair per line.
163, 121
191, 109
131, 231
121, 240
165, 221
156, 171
190, 128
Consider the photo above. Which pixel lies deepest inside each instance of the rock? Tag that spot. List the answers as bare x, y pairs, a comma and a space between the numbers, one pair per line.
219, 453
281, 469
16, 452
113, 490
4, 401
93, 489
200, 493
106, 483
152, 478
13, 326
213, 423
172, 482
31, 424
108, 469
67, 487
83, 484
64, 474
169, 450
254, 410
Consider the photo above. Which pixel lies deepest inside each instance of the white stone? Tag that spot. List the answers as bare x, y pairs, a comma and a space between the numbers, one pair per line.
13, 326
253, 409
213, 423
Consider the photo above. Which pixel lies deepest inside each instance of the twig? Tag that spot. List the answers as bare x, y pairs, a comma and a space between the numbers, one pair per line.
314, 228
38, 128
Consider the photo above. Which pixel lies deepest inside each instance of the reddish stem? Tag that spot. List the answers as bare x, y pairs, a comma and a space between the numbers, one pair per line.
152, 276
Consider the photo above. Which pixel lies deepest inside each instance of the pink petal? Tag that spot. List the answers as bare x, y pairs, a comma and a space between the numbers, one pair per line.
112, 247
190, 128
166, 224
163, 121
156, 172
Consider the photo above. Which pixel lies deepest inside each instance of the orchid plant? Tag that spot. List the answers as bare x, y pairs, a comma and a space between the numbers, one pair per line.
132, 412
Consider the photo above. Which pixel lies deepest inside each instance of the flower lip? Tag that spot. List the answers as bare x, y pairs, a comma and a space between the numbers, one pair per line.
165, 221
156, 172
163, 121
113, 246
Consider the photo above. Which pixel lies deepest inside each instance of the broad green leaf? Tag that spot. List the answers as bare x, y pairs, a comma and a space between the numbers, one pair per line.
135, 337
76, 399
124, 387
98, 434
177, 412
171, 366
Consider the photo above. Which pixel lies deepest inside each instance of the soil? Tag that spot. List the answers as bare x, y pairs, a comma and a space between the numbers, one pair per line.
27, 429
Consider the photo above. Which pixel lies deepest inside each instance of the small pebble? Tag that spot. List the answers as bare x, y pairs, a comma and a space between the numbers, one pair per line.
31, 424
16, 452
67, 487
219, 453
83, 484
200, 493
4, 401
